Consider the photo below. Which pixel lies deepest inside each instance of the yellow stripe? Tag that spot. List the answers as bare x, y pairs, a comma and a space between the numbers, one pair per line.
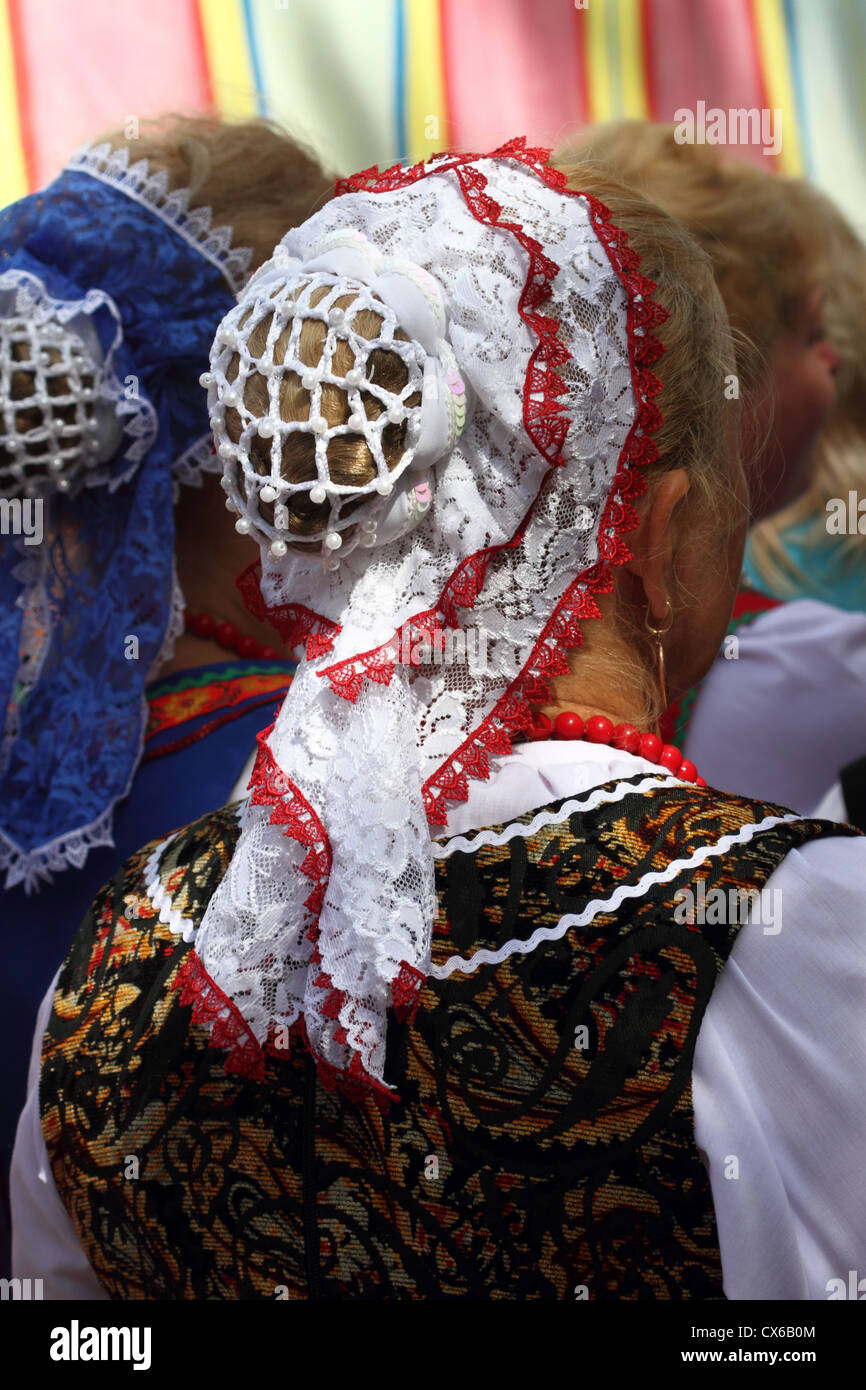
13, 170
773, 51
426, 113
634, 93
228, 59
598, 76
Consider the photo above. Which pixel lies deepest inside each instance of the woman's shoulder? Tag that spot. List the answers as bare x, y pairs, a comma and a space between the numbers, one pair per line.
153, 904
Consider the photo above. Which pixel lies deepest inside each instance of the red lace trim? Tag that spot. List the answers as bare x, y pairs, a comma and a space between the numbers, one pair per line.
213, 1009
294, 622
545, 423
546, 426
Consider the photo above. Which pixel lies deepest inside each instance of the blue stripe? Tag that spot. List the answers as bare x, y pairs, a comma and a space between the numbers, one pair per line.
799, 90
400, 81
254, 56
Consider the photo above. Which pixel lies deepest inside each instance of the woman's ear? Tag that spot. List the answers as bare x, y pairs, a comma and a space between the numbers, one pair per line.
653, 543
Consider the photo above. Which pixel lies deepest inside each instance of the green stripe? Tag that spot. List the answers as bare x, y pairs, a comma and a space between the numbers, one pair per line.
191, 680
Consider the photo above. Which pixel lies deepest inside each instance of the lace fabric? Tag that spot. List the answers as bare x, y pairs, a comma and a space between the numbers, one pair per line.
324, 919
90, 613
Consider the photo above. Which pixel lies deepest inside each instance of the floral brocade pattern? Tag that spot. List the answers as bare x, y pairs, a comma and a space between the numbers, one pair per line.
542, 1146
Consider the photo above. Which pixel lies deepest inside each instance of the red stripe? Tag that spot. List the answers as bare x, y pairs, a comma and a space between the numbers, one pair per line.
581, 48
649, 63
202, 732
444, 49
748, 601
201, 54
87, 68
22, 79
705, 52
512, 68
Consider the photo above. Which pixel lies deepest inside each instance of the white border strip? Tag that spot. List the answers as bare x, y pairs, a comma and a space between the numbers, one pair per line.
160, 898
600, 905
598, 797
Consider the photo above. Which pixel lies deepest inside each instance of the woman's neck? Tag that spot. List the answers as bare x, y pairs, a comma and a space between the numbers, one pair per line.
209, 555
606, 676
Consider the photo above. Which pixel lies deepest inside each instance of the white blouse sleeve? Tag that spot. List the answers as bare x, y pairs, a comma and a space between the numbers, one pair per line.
778, 1083
45, 1244
778, 1090
779, 721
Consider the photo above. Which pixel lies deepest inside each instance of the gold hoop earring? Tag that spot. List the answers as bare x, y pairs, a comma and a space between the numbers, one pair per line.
657, 633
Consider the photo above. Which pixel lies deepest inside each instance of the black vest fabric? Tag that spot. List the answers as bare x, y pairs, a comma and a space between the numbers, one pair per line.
542, 1145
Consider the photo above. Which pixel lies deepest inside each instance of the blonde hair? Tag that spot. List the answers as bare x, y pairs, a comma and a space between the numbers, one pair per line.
772, 240
253, 176
699, 430
349, 458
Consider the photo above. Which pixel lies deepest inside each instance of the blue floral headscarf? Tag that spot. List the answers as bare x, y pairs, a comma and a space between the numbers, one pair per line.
90, 612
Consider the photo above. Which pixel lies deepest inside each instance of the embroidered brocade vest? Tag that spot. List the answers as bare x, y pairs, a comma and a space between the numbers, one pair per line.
543, 1142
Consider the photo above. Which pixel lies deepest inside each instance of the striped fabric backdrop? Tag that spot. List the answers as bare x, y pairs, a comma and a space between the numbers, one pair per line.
375, 81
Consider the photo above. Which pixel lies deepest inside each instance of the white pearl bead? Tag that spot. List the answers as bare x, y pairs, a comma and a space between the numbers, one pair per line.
396, 412
232, 398
368, 539
318, 494
225, 484
226, 450
333, 540
369, 525
268, 493
227, 336
308, 381
266, 429
215, 421
206, 379
356, 421
319, 425
62, 485
57, 464
353, 377
332, 564
278, 549
384, 486
336, 316
242, 526
230, 505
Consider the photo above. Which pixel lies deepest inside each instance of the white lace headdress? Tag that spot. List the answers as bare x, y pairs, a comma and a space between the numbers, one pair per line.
432, 612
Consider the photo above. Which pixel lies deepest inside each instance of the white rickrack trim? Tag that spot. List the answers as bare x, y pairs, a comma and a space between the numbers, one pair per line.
599, 797
159, 896
151, 191
466, 965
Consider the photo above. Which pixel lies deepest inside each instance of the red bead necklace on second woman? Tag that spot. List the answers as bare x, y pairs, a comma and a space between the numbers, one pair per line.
599, 729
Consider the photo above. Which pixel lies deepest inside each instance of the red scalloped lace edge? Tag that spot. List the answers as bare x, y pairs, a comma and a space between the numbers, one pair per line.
294, 623
213, 1009
511, 714
546, 426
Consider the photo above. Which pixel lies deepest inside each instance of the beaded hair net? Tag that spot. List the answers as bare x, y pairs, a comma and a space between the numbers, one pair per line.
516, 295
432, 402
55, 422
110, 291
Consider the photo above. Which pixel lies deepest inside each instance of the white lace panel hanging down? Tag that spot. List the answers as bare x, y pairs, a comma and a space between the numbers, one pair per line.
317, 923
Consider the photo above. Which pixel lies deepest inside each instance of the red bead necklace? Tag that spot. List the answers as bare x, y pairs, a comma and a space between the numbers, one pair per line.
226, 635
600, 729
